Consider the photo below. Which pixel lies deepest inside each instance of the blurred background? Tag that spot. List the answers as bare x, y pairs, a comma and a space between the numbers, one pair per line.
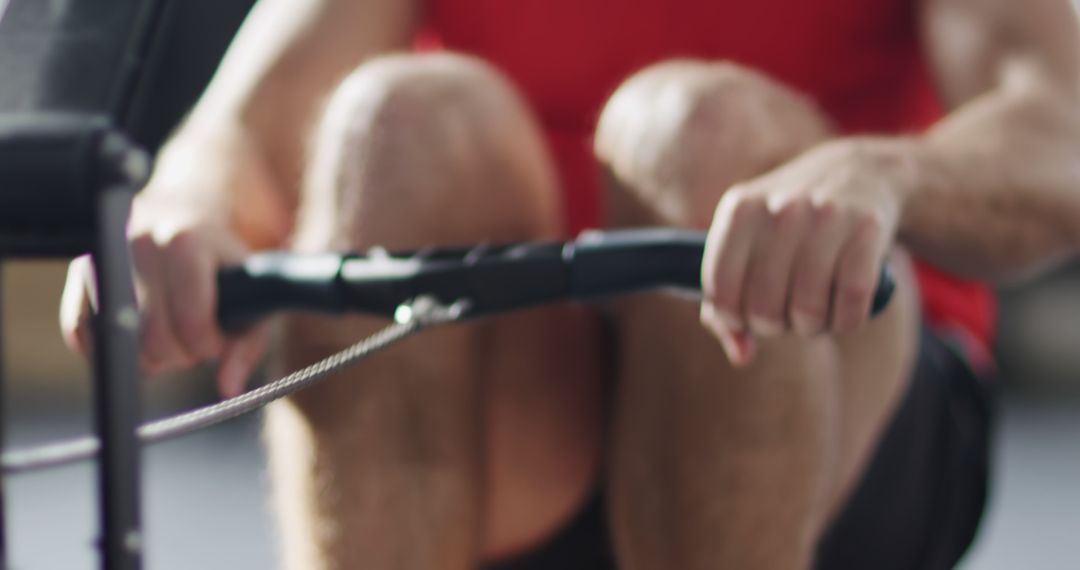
206, 495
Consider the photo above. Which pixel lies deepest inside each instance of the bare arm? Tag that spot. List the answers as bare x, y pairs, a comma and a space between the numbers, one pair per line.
227, 181
286, 59
996, 190
992, 191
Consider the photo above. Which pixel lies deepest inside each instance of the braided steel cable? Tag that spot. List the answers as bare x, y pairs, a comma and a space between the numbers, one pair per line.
410, 319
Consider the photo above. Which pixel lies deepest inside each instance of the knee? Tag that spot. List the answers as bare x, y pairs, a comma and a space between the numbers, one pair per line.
678, 133
417, 138
445, 95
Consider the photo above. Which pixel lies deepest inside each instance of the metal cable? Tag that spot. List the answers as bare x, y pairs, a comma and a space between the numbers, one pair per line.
410, 319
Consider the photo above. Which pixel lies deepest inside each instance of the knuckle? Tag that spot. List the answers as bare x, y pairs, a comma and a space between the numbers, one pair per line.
792, 212
867, 222
181, 244
731, 80
738, 193
79, 266
727, 68
825, 213
745, 207
710, 111
137, 227
143, 246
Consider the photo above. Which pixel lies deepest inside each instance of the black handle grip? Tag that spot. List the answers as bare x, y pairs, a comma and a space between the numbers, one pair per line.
272, 282
495, 279
611, 263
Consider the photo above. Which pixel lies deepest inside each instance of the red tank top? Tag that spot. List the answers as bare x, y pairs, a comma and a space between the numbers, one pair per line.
861, 60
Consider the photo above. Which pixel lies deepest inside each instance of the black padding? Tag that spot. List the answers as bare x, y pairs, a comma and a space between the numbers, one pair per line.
65, 55
45, 165
186, 50
70, 69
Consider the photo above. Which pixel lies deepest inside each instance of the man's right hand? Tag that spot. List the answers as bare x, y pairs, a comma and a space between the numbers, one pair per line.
181, 231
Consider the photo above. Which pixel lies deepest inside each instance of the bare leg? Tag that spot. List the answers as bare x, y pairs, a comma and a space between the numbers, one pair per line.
716, 467
465, 442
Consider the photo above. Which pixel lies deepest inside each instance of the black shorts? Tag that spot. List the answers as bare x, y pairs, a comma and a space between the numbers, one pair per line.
917, 507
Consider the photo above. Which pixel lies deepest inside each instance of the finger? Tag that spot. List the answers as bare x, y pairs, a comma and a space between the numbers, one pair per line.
856, 278
238, 361
191, 294
769, 273
814, 272
161, 351
75, 306
727, 252
738, 345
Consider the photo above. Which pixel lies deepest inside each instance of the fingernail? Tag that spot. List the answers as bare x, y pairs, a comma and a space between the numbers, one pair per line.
731, 349
804, 324
711, 317
735, 347
730, 321
765, 327
708, 312
751, 347
747, 347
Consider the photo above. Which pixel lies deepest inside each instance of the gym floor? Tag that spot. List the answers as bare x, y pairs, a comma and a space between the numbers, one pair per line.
206, 502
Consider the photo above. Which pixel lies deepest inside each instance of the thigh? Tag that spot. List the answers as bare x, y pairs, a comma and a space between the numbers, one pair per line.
504, 414
918, 503
678, 400
792, 432
920, 500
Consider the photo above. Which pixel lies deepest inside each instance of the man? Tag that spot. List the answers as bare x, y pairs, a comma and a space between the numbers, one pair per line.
788, 428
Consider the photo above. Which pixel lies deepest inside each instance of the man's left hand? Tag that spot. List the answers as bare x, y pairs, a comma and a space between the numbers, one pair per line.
799, 249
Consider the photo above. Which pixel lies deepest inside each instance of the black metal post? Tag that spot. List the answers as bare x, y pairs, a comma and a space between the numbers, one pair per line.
3, 430
116, 374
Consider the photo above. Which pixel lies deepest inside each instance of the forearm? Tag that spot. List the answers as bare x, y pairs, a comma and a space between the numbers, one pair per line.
238, 157
993, 191
285, 61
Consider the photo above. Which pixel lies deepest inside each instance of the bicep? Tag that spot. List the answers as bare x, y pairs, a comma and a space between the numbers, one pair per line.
976, 46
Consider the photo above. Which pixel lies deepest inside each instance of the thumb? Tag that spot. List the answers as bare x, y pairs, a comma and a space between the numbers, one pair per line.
238, 361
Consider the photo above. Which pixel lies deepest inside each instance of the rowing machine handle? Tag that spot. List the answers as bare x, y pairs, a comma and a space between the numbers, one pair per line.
609, 263
594, 266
